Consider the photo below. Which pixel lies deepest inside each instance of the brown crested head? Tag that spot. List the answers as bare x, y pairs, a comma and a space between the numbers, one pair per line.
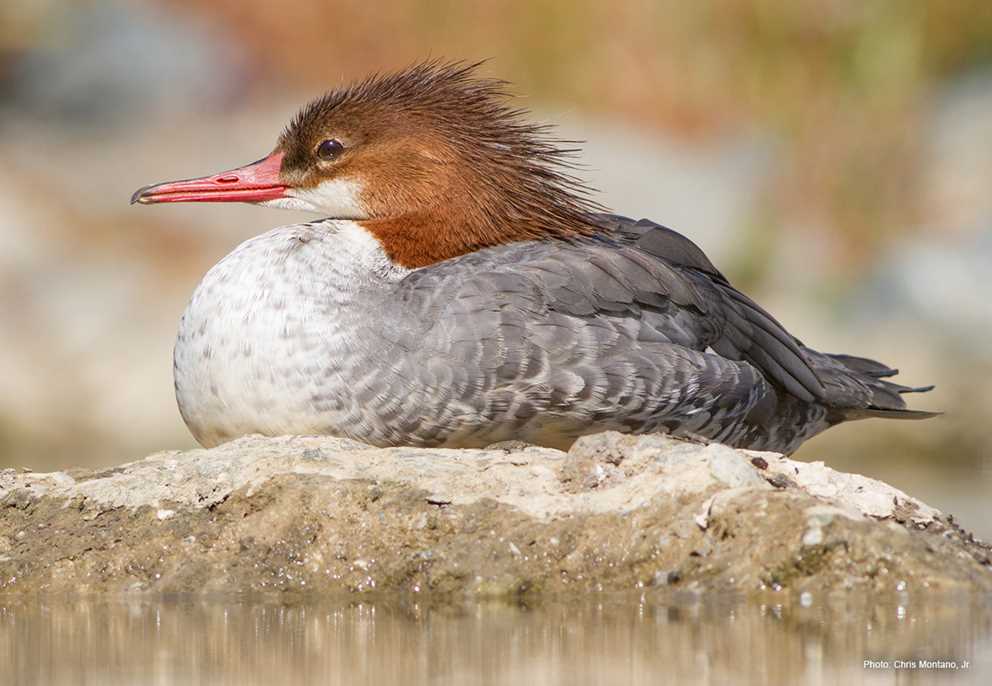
431, 160
436, 164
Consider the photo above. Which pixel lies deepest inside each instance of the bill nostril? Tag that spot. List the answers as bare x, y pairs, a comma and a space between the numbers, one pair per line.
230, 178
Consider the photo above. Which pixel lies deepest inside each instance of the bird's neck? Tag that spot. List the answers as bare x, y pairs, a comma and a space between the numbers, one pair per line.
424, 237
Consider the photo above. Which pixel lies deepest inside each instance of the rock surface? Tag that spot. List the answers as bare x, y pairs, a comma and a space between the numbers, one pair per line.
317, 514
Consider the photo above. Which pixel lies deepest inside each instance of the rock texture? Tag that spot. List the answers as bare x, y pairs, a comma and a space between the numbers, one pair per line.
317, 514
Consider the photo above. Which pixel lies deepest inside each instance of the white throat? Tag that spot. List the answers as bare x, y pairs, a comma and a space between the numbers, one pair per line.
337, 198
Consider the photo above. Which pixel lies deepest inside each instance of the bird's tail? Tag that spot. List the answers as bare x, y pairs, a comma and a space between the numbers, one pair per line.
859, 388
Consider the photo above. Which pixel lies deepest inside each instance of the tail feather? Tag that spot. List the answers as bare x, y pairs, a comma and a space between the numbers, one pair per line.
886, 395
916, 389
864, 365
857, 388
889, 414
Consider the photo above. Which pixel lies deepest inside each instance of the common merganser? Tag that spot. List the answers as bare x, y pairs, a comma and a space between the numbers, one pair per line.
464, 290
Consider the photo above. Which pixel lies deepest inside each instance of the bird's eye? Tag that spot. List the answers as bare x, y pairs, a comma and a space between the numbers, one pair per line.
329, 149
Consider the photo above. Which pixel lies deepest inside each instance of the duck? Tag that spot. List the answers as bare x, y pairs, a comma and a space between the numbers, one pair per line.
463, 289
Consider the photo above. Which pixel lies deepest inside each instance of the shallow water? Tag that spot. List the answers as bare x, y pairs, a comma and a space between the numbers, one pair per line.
603, 639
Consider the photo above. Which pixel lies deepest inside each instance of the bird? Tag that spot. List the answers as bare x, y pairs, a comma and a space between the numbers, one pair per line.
463, 289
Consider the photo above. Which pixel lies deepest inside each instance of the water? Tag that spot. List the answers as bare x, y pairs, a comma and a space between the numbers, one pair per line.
604, 639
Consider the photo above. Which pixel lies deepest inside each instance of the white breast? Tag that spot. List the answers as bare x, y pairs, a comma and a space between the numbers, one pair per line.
267, 342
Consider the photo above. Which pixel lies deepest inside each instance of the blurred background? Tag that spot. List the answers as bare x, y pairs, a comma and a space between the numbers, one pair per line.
833, 158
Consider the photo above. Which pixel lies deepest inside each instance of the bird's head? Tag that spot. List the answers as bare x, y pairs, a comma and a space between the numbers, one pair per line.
431, 160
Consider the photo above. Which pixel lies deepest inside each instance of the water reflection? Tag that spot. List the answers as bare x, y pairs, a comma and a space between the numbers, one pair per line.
609, 639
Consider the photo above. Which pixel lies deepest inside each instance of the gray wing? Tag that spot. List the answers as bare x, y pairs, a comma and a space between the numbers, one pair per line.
603, 331
746, 331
